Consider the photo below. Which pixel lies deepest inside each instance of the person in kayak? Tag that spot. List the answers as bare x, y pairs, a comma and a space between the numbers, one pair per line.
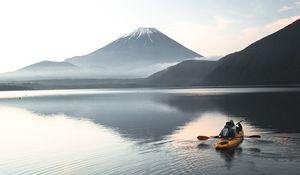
230, 130
239, 127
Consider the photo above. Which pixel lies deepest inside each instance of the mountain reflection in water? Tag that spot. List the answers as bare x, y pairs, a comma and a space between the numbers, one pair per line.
147, 131
151, 115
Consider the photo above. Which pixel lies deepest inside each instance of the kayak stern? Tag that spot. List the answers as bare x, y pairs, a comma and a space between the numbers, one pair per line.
230, 143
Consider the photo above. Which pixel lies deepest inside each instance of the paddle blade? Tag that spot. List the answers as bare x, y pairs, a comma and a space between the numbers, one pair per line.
202, 137
254, 136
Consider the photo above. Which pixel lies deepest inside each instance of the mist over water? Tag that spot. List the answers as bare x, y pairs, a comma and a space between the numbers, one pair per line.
147, 131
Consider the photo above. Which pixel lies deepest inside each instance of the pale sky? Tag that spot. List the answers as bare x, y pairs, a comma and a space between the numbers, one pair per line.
37, 30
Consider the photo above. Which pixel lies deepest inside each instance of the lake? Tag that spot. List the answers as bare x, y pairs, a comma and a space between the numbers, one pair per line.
148, 131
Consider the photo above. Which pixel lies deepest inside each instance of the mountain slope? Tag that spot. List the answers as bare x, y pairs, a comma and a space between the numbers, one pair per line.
144, 46
186, 73
44, 69
49, 66
274, 59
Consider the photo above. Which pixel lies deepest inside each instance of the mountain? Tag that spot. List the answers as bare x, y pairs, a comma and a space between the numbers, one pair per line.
190, 72
272, 60
44, 69
49, 67
144, 49
134, 55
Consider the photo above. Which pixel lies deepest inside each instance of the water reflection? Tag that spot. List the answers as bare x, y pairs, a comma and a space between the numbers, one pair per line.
208, 124
228, 155
275, 111
151, 116
101, 133
31, 144
203, 145
137, 116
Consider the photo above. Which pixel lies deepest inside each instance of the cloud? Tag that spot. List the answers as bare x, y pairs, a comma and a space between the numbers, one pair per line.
251, 34
212, 58
285, 8
288, 7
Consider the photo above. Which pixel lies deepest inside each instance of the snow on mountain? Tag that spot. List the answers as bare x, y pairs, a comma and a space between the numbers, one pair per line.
141, 31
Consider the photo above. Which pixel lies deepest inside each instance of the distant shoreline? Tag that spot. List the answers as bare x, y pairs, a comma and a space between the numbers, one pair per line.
7, 87
112, 84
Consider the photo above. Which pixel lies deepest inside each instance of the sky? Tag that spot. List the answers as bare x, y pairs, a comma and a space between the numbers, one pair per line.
37, 30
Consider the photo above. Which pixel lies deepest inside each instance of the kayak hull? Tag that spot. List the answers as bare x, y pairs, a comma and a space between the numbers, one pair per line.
230, 143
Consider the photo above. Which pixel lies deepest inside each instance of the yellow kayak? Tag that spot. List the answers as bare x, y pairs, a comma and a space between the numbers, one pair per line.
230, 143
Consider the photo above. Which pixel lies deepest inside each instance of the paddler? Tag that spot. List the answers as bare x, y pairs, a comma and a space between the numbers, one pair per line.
230, 130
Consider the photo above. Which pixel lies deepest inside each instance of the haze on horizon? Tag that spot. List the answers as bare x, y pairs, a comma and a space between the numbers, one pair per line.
33, 30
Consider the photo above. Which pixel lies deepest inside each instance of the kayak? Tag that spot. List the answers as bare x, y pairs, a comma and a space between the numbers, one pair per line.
230, 143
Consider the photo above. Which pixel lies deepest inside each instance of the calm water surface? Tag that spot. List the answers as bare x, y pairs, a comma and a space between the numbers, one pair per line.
147, 131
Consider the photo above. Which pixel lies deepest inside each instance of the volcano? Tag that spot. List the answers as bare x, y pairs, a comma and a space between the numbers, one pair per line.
142, 49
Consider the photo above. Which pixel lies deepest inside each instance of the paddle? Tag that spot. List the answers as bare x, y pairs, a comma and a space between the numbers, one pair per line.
240, 121
206, 137
215, 137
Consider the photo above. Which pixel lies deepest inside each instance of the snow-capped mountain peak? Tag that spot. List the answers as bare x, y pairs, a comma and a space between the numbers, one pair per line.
142, 31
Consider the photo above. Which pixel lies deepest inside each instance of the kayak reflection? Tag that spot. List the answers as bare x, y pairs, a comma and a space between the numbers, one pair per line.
204, 146
229, 154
